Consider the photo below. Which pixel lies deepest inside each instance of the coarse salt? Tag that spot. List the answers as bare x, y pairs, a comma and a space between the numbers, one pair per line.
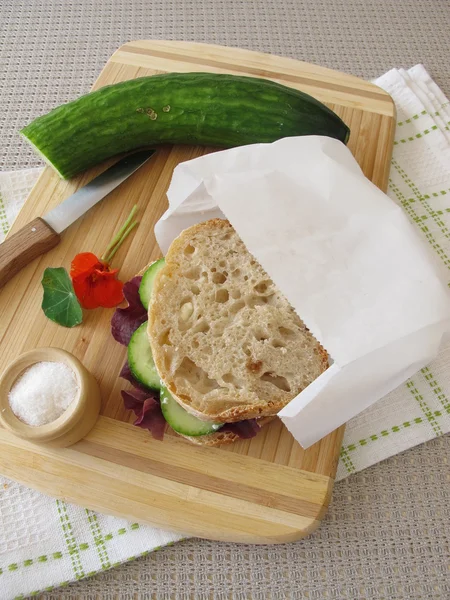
43, 392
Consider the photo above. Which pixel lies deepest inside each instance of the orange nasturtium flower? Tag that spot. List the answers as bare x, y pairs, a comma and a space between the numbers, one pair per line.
94, 282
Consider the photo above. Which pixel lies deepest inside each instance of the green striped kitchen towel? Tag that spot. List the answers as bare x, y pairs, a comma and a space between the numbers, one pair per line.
45, 543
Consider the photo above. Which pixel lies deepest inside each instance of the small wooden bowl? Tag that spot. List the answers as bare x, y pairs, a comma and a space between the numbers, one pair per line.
74, 423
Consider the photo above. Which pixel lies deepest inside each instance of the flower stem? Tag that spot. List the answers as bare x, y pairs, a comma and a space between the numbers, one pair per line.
120, 236
120, 242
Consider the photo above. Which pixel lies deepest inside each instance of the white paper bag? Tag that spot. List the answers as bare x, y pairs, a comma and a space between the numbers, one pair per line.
344, 255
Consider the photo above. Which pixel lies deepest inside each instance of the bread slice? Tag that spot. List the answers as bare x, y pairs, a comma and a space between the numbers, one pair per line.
226, 342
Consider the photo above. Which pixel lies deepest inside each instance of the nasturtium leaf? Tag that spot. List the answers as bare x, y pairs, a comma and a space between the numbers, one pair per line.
60, 303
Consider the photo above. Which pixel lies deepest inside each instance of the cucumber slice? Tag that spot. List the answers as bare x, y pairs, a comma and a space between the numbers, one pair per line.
141, 360
146, 287
182, 421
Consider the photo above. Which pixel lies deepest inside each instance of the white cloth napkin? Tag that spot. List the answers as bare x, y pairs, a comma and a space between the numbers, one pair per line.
45, 543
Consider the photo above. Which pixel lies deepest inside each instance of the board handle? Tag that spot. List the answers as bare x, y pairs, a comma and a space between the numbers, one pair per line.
21, 248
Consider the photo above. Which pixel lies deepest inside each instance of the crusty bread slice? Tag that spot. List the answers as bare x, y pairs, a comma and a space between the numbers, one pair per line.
225, 341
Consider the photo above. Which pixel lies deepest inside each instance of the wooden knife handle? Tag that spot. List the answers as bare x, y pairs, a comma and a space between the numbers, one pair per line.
19, 249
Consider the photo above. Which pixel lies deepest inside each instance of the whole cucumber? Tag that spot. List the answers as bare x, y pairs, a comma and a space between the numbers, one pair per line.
182, 108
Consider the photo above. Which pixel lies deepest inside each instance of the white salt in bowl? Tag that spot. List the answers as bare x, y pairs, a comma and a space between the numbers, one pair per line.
75, 422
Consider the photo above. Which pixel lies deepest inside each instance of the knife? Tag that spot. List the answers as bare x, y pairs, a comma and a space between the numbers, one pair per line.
42, 234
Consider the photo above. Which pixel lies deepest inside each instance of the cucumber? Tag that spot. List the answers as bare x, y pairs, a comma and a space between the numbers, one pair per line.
180, 420
206, 109
146, 287
141, 360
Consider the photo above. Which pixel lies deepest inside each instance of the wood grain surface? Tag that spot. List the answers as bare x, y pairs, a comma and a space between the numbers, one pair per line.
264, 490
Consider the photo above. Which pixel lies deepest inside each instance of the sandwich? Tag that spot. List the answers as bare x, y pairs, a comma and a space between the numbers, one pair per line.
221, 342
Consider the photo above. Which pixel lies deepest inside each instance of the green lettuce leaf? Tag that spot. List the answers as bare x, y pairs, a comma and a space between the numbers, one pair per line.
60, 303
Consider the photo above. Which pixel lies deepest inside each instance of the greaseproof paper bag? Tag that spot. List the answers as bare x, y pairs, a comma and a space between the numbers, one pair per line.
344, 255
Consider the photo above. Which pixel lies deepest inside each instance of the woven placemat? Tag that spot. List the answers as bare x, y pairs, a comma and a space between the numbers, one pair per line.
386, 535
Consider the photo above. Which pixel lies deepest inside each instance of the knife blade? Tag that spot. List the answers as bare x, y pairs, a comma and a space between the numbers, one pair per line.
42, 234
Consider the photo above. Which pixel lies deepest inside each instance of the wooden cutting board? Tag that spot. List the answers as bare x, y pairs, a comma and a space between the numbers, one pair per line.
264, 490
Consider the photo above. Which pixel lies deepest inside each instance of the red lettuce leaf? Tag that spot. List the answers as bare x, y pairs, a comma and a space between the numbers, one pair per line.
126, 374
125, 321
244, 429
147, 411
